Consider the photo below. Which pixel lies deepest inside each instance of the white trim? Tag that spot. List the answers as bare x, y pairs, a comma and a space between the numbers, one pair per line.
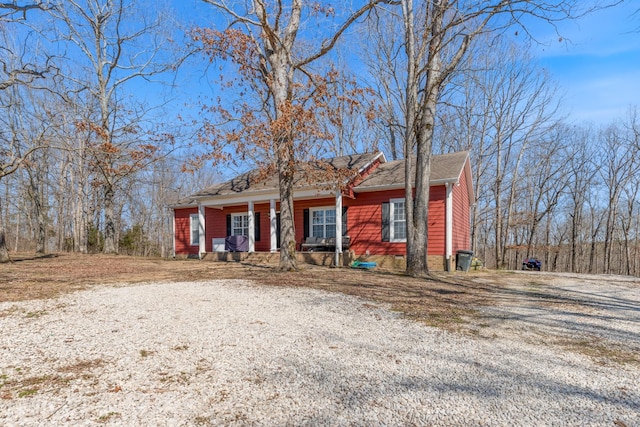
201, 231
235, 215
173, 230
192, 219
252, 228
338, 226
469, 176
243, 198
392, 203
273, 226
380, 156
448, 225
400, 185
321, 208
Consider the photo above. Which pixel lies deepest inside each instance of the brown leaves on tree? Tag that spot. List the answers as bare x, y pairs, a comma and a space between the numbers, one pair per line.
229, 45
235, 132
121, 159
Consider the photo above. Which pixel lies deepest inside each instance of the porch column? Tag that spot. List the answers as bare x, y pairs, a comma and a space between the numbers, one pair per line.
252, 229
201, 232
273, 225
338, 228
448, 225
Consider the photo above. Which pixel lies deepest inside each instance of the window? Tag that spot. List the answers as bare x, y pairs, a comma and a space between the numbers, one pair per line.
398, 220
240, 224
323, 222
195, 229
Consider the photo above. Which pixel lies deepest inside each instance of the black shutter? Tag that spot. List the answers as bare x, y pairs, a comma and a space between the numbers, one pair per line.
385, 222
228, 225
344, 221
256, 224
305, 231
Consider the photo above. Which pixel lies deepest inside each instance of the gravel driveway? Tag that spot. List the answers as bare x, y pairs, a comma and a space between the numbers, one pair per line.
234, 353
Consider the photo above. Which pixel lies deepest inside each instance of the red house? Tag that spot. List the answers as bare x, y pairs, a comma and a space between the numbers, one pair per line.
366, 218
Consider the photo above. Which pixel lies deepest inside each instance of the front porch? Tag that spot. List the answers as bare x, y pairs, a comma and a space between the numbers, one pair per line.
255, 225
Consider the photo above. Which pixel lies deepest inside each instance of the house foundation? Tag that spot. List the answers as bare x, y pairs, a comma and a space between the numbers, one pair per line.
384, 262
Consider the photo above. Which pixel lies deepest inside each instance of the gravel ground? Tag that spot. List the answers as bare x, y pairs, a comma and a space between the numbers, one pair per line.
548, 306
233, 353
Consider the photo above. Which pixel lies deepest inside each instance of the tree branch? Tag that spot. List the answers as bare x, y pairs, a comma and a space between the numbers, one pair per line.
329, 43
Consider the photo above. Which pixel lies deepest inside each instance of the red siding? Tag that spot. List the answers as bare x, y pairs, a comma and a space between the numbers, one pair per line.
216, 224
298, 214
437, 220
216, 227
461, 221
365, 223
183, 231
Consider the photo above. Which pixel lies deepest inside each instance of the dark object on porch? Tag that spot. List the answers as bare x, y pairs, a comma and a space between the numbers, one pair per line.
463, 260
323, 244
236, 244
532, 264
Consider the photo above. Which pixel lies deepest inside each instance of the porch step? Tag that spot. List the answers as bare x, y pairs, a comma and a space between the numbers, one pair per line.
259, 258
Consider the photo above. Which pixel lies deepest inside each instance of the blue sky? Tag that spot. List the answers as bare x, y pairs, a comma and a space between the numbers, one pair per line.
597, 65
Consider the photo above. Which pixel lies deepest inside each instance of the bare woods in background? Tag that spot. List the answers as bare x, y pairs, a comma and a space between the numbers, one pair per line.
87, 164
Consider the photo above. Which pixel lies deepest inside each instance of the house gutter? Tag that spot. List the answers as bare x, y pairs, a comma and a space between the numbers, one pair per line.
432, 183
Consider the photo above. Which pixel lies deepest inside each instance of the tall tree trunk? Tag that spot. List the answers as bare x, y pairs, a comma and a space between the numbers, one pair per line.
35, 194
80, 228
411, 106
417, 265
110, 244
286, 169
4, 253
280, 82
423, 125
498, 211
41, 227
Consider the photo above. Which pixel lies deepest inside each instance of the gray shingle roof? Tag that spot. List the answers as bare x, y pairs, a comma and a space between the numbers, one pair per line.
444, 168
250, 182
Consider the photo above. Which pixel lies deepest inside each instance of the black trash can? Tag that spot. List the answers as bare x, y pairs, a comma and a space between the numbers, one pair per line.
463, 260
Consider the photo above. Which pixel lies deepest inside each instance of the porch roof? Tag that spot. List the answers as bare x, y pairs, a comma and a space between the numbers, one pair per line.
252, 183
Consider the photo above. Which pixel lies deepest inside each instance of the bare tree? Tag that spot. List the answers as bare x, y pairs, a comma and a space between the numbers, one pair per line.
350, 112
274, 50
382, 47
438, 35
118, 43
581, 170
16, 70
620, 164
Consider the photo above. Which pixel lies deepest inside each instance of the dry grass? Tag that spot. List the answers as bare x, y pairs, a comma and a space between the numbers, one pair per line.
440, 301
448, 301
17, 382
